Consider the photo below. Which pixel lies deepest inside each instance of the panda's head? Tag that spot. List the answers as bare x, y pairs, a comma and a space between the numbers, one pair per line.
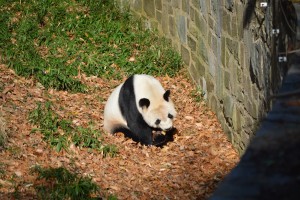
158, 112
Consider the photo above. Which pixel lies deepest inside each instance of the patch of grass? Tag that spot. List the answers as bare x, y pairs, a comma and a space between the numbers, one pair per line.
60, 133
59, 183
54, 40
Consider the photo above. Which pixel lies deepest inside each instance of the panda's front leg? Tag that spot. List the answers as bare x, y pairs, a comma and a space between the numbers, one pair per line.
145, 135
141, 131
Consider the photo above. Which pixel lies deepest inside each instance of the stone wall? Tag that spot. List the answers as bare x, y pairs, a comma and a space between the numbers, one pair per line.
231, 64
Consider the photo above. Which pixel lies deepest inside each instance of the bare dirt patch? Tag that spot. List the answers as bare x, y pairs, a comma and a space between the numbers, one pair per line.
188, 168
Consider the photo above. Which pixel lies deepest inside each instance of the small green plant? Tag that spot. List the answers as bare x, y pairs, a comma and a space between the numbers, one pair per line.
110, 150
60, 133
112, 197
59, 183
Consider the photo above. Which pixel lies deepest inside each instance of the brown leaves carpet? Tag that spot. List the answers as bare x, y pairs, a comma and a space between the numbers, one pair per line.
188, 168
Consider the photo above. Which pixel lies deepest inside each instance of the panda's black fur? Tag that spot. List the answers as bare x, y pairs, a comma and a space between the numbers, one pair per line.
128, 118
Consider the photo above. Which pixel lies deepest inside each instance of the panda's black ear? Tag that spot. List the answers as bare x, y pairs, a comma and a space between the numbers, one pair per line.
144, 103
167, 95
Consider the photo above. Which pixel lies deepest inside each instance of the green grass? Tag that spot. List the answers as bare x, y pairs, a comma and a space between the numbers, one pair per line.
54, 40
60, 184
60, 133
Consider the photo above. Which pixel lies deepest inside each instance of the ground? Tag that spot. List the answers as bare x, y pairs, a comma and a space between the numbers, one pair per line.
190, 167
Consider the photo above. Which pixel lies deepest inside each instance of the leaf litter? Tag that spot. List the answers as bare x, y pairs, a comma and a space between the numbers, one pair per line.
189, 167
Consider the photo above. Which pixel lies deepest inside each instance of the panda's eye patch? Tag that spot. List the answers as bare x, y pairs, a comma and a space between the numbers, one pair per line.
157, 121
170, 116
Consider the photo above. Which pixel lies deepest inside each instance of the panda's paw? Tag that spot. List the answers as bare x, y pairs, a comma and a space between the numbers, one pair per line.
159, 140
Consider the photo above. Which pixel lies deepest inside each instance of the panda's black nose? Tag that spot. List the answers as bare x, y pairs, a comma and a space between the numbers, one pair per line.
157, 121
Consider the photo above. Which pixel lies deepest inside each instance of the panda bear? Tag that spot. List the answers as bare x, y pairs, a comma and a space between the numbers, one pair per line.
141, 109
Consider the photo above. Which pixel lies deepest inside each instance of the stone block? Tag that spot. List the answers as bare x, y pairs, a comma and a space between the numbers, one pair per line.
185, 6
201, 24
240, 18
193, 72
247, 122
255, 92
245, 139
214, 5
236, 119
191, 43
200, 67
239, 75
165, 21
219, 84
193, 30
212, 62
196, 3
223, 51
185, 53
227, 80
213, 103
176, 4
228, 58
216, 48
170, 10
158, 5
225, 20
203, 53
158, 17
234, 28
172, 26
228, 131
204, 88
192, 14
235, 49
241, 54
149, 8
240, 95
211, 23
251, 107
232, 46
228, 108
137, 5
229, 5
181, 28
204, 8
210, 85
233, 77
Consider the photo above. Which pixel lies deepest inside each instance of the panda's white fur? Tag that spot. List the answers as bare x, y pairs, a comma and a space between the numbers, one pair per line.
112, 113
137, 106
